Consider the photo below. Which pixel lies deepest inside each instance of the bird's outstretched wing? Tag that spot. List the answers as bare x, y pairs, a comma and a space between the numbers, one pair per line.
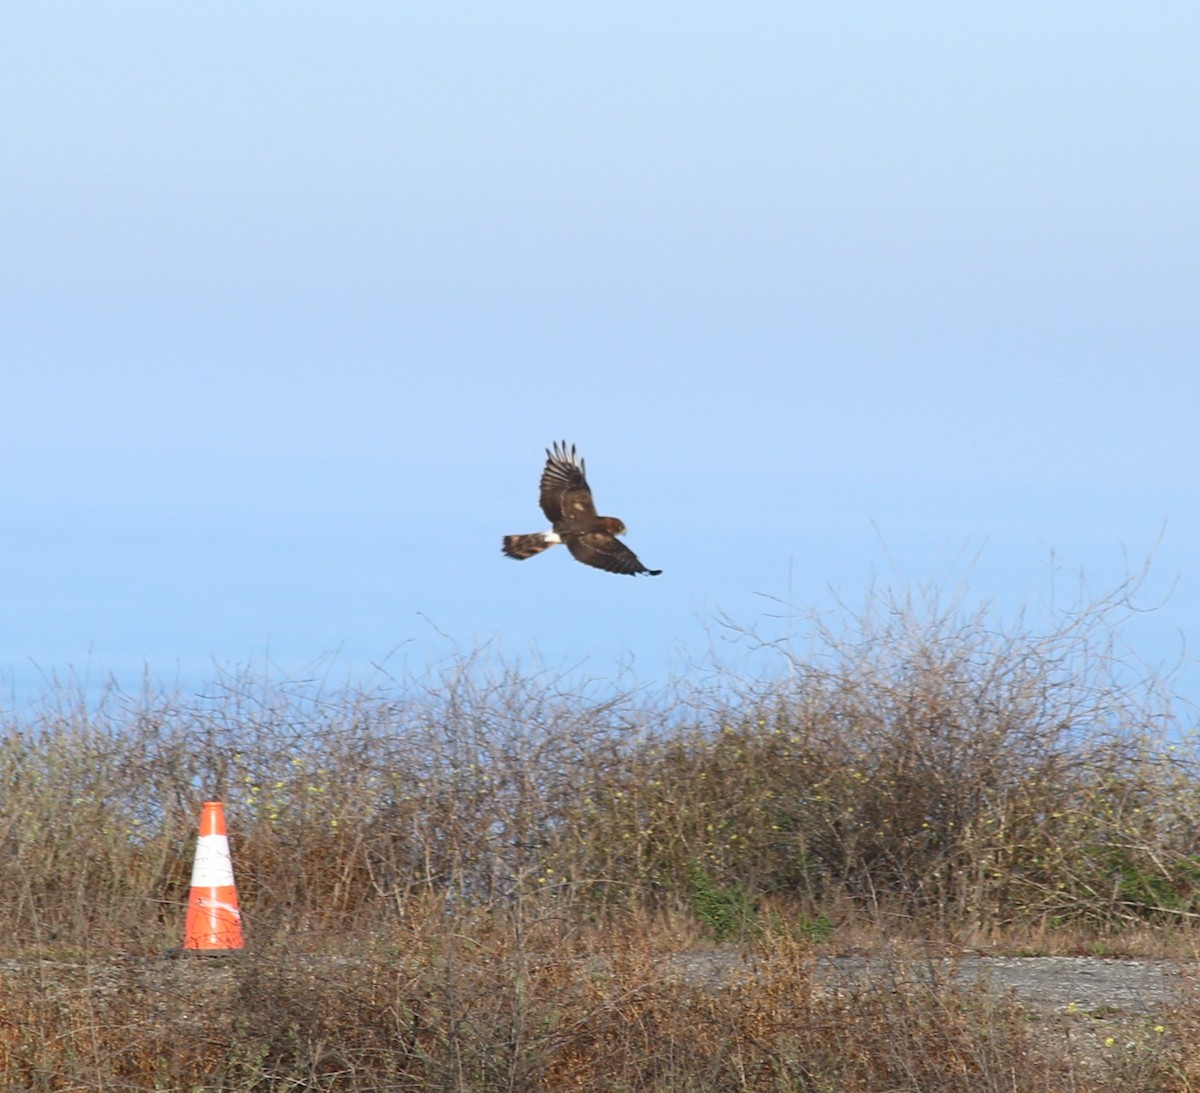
564, 493
605, 551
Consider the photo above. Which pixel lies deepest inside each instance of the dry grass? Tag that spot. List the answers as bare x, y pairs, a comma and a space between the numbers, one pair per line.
524, 1000
471, 880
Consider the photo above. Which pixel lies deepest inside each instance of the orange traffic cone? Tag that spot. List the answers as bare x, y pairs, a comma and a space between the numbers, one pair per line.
214, 923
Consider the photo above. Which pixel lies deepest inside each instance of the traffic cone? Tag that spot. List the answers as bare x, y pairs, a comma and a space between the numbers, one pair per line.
214, 923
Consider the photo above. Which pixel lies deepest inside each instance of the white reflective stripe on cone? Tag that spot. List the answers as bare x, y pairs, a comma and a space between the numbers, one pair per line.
213, 867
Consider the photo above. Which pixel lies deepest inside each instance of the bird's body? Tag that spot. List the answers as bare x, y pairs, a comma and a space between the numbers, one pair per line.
566, 500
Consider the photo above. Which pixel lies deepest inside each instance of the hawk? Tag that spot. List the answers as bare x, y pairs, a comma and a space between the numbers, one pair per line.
566, 500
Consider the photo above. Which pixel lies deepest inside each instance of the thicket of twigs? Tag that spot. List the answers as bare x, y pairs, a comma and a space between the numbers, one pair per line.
471, 839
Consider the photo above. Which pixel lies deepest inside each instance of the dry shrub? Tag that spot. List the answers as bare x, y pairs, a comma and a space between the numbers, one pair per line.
488, 1013
481, 878
925, 770
527, 999
924, 767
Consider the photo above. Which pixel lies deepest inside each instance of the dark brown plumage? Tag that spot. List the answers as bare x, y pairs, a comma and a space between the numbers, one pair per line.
566, 500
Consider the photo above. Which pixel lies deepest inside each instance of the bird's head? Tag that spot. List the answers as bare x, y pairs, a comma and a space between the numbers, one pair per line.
612, 525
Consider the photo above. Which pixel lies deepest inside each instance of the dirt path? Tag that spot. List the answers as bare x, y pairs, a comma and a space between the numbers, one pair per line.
1045, 983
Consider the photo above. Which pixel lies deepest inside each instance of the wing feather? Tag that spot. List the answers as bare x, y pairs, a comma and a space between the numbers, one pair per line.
605, 551
564, 493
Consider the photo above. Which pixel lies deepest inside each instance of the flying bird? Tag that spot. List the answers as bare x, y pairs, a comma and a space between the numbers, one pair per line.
566, 500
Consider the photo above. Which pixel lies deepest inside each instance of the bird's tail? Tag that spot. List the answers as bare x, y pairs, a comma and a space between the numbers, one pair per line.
526, 546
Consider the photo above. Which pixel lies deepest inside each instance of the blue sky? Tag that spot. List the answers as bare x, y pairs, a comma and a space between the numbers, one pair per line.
831, 297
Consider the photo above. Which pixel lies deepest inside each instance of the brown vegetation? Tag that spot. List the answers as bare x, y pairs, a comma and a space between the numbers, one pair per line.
473, 880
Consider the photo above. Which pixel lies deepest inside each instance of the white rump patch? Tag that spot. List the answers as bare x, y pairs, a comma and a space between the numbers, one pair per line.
550, 538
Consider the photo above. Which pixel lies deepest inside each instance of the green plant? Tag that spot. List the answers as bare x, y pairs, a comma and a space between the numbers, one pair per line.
727, 911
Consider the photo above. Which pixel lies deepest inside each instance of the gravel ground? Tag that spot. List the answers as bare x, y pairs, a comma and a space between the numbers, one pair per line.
1043, 983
